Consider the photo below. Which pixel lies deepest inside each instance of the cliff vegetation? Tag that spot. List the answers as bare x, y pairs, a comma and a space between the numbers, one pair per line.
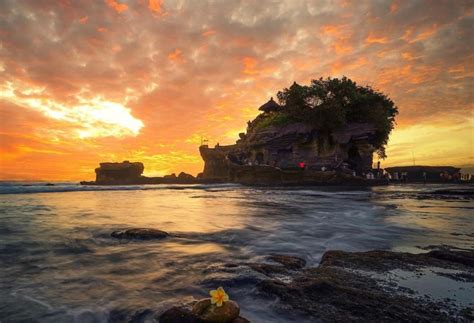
328, 105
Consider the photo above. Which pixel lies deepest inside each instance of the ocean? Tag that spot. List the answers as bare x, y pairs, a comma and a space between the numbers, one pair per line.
60, 264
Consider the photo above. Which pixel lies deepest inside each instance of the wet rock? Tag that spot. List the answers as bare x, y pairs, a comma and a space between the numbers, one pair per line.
332, 294
140, 234
267, 269
380, 260
347, 287
228, 312
179, 315
289, 262
462, 257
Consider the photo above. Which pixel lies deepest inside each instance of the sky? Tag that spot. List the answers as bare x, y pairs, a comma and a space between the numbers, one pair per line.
83, 82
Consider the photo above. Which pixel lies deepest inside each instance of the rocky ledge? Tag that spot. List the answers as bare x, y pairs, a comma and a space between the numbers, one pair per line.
378, 285
369, 286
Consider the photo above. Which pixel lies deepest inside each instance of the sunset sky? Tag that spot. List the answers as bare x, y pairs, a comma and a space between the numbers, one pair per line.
83, 82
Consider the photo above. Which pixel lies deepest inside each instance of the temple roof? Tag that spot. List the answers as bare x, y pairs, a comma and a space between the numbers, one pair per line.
270, 106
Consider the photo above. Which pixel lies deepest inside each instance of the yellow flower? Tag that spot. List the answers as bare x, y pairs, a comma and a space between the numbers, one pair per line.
218, 296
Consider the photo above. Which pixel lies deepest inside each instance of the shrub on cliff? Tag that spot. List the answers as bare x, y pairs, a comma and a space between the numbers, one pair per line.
332, 103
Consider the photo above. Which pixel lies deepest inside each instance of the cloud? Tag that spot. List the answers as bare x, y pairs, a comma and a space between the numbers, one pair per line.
119, 7
115, 75
156, 6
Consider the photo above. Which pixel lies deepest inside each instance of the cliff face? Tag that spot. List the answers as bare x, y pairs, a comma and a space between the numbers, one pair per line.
124, 172
293, 146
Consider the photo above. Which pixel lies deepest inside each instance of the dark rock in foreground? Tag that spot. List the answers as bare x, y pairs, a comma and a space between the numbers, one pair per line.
342, 288
228, 312
380, 261
179, 315
185, 315
140, 234
290, 262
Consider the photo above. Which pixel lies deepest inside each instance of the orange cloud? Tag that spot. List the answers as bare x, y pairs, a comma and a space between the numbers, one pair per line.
208, 33
119, 7
373, 39
112, 87
340, 36
176, 55
250, 64
156, 6
394, 7
412, 36
83, 20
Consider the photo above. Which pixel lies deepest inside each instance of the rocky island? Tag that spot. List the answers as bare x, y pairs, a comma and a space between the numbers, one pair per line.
323, 133
127, 173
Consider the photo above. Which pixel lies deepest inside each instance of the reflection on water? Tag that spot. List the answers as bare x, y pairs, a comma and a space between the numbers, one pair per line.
59, 262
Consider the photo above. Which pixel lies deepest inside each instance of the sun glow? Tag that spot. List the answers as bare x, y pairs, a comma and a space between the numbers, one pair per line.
90, 118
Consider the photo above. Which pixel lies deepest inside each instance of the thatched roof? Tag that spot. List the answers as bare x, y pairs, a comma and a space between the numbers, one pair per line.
270, 106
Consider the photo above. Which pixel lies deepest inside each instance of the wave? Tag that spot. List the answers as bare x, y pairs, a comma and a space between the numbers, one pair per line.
59, 187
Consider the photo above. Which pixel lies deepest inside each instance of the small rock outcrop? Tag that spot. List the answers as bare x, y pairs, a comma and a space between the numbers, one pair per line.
119, 173
203, 312
289, 262
127, 173
186, 176
179, 315
140, 234
228, 312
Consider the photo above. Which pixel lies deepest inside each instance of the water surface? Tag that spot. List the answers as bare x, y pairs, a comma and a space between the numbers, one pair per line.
59, 263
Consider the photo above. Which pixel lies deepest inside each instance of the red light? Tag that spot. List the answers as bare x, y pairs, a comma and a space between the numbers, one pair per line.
302, 164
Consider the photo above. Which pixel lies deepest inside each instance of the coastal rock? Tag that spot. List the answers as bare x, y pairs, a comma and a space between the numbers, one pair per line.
179, 315
228, 312
290, 262
140, 234
462, 257
266, 154
381, 260
185, 176
345, 288
267, 269
119, 173
130, 173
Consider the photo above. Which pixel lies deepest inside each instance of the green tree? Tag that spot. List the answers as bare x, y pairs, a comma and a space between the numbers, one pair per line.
330, 104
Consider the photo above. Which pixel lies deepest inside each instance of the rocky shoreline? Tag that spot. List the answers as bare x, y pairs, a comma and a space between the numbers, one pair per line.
345, 286
127, 173
130, 173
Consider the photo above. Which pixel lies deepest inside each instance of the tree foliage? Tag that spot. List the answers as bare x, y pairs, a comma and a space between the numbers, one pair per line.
330, 104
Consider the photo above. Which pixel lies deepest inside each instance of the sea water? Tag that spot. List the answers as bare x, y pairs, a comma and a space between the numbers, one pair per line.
58, 262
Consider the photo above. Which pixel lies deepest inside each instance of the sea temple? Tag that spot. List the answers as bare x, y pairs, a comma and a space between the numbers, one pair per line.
324, 133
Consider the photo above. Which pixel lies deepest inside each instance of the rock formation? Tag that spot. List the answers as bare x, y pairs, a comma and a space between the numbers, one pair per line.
278, 150
127, 173
124, 172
